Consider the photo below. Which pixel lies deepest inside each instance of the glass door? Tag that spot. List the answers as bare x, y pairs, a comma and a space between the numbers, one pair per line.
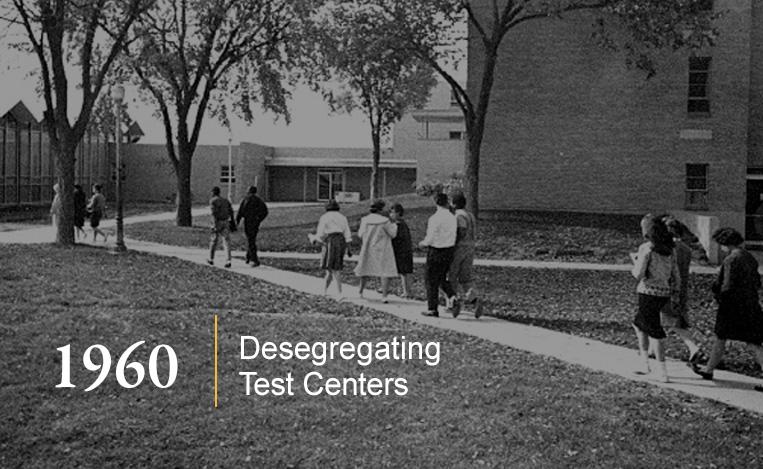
330, 182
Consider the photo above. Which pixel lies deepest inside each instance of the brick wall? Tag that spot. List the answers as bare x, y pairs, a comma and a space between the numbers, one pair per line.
250, 169
571, 128
755, 151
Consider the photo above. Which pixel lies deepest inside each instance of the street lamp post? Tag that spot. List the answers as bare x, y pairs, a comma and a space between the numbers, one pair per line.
230, 164
118, 94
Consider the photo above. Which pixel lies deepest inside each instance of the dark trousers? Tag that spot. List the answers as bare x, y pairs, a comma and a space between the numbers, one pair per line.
251, 249
435, 275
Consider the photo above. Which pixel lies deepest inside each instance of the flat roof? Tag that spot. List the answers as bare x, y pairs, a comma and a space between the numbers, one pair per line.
438, 115
338, 162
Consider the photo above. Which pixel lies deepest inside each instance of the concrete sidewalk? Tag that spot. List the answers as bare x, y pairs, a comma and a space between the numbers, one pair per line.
19, 233
697, 269
37, 234
728, 388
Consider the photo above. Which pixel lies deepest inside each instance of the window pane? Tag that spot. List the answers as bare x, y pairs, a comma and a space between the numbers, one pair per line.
696, 170
697, 91
699, 106
698, 77
697, 184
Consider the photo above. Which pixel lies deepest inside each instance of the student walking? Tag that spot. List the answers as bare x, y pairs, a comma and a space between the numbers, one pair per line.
401, 245
253, 210
657, 274
222, 219
97, 209
439, 241
334, 235
675, 314
377, 258
80, 210
460, 272
56, 207
739, 316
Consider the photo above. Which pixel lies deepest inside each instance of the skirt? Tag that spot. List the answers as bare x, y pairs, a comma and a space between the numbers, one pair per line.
648, 317
332, 256
739, 319
95, 219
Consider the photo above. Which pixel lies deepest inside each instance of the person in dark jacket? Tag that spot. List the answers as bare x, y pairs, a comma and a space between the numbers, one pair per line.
222, 218
253, 210
80, 210
739, 315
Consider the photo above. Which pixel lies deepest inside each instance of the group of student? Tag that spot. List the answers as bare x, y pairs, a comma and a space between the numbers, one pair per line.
386, 251
252, 210
661, 267
94, 209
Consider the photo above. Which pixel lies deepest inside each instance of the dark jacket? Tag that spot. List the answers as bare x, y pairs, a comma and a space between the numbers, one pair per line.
253, 210
221, 208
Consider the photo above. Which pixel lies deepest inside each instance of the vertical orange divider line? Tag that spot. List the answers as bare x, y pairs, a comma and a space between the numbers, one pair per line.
215, 361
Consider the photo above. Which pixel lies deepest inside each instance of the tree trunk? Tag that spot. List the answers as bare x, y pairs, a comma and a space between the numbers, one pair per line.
65, 157
184, 196
472, 170
475, 129
375, 137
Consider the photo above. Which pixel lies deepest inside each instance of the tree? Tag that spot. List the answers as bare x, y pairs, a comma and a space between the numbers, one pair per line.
356, 45
193, 54
432, 30
103, 119
65, 36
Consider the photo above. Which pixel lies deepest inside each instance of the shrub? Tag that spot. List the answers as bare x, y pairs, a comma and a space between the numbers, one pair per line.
450, 186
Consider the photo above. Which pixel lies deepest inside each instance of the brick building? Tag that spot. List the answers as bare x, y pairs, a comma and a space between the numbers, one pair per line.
571, 128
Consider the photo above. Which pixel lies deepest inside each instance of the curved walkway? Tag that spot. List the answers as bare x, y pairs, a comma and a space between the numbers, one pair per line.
728, 388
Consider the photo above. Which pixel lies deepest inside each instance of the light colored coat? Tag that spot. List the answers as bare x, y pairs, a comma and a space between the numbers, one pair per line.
376, 259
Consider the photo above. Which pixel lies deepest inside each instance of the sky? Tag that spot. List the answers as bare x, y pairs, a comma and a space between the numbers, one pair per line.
312, 123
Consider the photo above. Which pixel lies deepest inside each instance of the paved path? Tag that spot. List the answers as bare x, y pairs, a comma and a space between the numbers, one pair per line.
697, 269
729, 388
19, 233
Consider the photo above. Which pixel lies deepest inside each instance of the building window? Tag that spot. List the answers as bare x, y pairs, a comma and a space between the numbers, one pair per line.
696, 187
227, 172
456, 135
699, 77
330, 181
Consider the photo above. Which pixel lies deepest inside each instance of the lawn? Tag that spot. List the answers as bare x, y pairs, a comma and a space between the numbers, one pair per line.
517, 235
599, 305
484, 405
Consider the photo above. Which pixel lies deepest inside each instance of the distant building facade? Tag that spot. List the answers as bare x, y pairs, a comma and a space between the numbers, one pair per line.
433, 136
282, 174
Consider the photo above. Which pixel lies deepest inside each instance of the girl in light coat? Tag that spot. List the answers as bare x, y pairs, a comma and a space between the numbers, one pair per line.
376, 258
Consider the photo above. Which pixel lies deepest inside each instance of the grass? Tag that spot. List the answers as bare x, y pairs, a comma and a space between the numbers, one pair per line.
517, 235
599, 305
483, 405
